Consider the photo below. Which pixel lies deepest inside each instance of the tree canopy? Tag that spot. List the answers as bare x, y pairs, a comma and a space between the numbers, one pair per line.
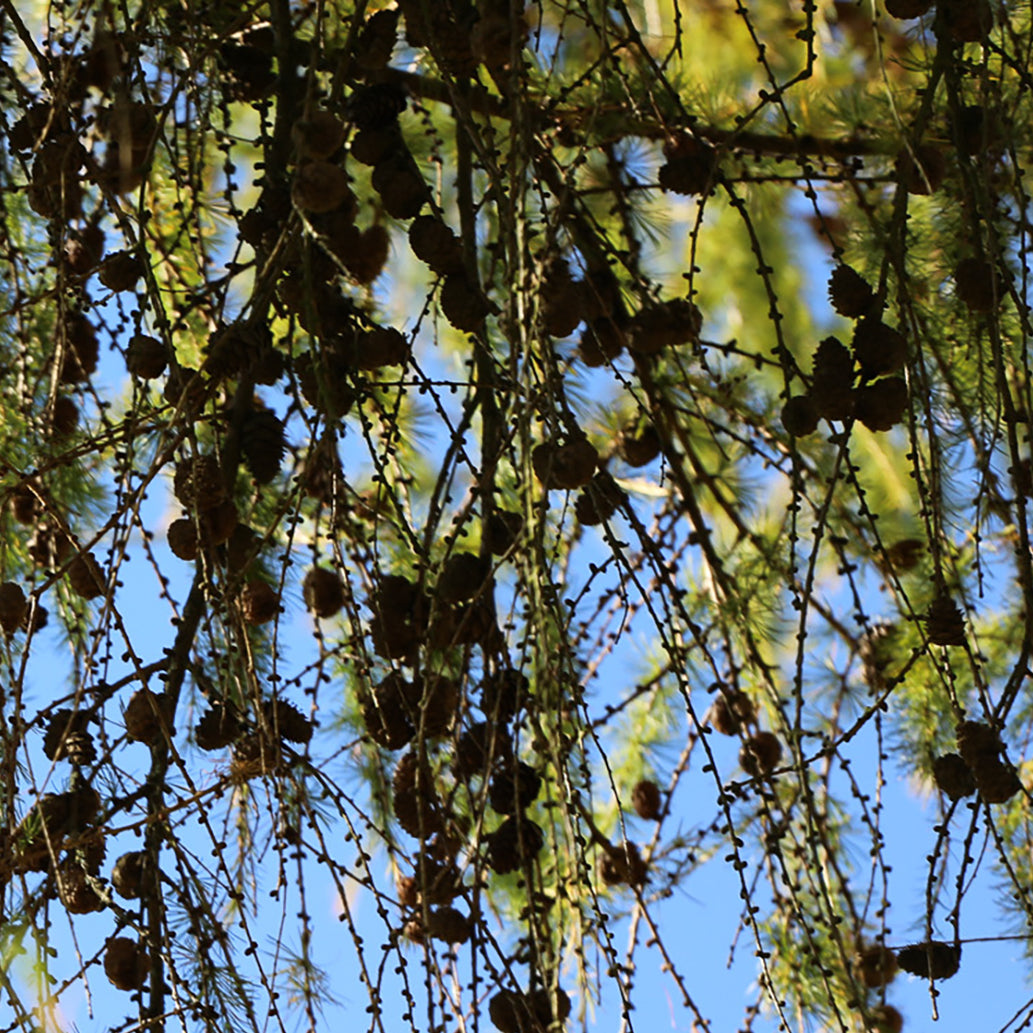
485, 467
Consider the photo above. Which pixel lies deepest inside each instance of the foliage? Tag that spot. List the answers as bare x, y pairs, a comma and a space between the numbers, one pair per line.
489, 468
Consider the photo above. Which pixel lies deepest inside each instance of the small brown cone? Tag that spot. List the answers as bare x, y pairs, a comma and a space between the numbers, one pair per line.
462, 577
515, 841
320, 186
849, 292
323, 591
75, 891
13, 607
690, 168
932, 960
646, 800
218, 727
800, 416
146, 357
148, 717
259, 602
875, 966
130, 876
565, 467
639, 444
882, 405
434, 244
945, 624
261, 441
760, 754
922, 170
287, 722
878, 348
833, 381
730, 711
462, 303
449, 925
182, 539
120, 271
85, 577
623, 866
953, 776
126, 963
975, 284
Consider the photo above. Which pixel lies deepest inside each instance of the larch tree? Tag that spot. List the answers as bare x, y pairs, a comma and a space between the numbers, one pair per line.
470, 469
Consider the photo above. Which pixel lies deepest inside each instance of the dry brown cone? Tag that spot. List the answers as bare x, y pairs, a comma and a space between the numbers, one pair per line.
218, 726
833, 381
882, 405
646, 800
146, 357
376, 106
148, 717
81, 349
182, 539
24, 505
219, 523
731, 710
321, 186
382, 346
387, 712
433, 243
323, 378
376, 41
82, 251
415, 798
479, 746
561, 300
318, 135
932, 959
262, 443
622, 866
664, 324
953, 776
323, 592
600, 499
75, 891
399, 617
878, 348
515, 841
256, 755
403, 191
800, 416
120, 271
510, 1012
438, 704
371, 146
131, 877
514, 787
85, 576
503, 531
601, 341
66, 737
449, 925
690, 168
286, 721
906, 9
198, 482
64, 417
997, 781
945, 624
875, 966
760, 754
849, 292
968, 21
367, 259
462, 577
126, 963
13, 607
885, 1019
639, 444
462, 303
259, 602
565, 467
504, 693
974, 284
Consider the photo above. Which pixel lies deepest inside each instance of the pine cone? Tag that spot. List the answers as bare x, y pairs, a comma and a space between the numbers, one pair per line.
513, 788
388, 712
323, 591
833, 381
932, 960
664, 324
397, 179
760, 754
462, 577
318, 136
259, 602
148, 717
130, 876
321, 186
255, 755
800, 416
646, 800
146, 357
504, 693
623, 866
449, 925
382, 346
690, 168
438, 703
516, 840
945, 624
849, 292
85, 577
875, 966
997, 782
287, 721
462, 303
434, 244
953, 777
81, 349
14, 607
375, 107
218, 726
565, 467
882, 405
377, 40
479, 747
639, 444
503, 531
366, 261
878, 348
261, 441
75, 891
968, 21
924, 170
561, 300
601, 498
601, 341
126, 963
182, 539
731, 710
974, 284
198, 482
120, 271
